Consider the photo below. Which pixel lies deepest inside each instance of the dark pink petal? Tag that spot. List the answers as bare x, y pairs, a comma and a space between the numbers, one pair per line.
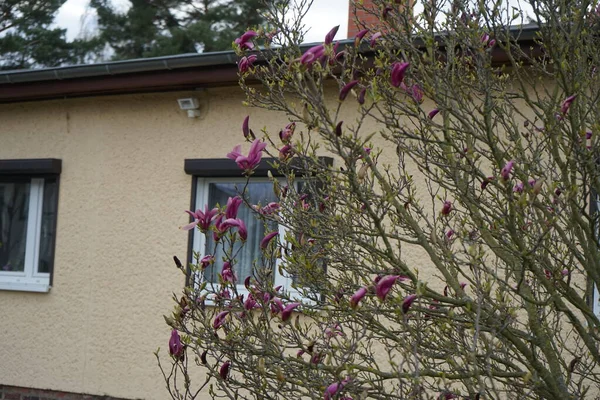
331, 35
220, 319
285, 152
224, 370
346, 89
245, 127
175, 345
361, 96
267, 239
374, 38
235, 153
433, 113
242, 231
189, 226
359, 36
407, 302
398, 72
287, 311
206, 261
338, 128
506, 170
447, 207
384, 285
567, 104
357, 297
233, 205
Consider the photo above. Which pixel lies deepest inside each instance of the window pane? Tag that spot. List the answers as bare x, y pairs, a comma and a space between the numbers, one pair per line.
14, 208
48, 229
257, 192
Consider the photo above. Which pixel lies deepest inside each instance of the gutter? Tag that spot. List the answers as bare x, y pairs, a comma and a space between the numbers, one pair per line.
167, 73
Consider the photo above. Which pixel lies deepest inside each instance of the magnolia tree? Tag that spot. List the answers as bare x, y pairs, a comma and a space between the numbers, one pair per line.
450, 251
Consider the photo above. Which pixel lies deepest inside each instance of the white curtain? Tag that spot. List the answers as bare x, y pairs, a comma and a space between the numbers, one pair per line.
256, 193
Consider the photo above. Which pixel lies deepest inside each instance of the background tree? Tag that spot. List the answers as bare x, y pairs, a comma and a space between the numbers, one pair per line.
455, 225
164, 27
28, 41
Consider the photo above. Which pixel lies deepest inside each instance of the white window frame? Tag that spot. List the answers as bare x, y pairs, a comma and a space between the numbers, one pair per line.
199, 241
30, 279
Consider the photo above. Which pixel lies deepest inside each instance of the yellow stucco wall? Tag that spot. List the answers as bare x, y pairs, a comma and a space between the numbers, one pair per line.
123, 191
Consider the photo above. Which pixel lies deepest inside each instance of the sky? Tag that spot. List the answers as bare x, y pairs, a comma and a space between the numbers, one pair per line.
323, 15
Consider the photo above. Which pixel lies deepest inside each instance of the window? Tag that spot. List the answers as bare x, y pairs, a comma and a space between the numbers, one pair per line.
28, 208
214, 181
214, 191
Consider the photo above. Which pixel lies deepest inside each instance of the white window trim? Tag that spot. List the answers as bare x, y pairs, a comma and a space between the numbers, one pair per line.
30, 279
199, 242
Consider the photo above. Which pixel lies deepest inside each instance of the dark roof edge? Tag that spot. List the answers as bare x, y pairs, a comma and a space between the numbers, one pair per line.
214, 59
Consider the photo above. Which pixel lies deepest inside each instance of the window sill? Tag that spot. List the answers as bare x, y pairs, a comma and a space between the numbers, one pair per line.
39, 287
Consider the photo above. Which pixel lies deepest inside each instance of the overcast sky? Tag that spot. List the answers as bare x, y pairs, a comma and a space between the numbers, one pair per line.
324, 15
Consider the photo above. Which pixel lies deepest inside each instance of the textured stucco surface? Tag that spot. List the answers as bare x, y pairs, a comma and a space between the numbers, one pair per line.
123, 191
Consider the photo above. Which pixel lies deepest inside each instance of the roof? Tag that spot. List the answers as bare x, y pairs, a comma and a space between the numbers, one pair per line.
168, 73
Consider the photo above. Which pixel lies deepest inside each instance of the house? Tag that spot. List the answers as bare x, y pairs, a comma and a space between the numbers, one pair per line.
94, 182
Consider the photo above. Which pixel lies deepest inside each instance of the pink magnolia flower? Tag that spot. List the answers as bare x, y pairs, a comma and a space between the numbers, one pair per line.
331, 35
384, 285
519, 187
285, 152
176, 348
333, 330
220, 319
237, 223
416, 93
313, 54
335, 388
224, 370
227, 272
486, 182
567, 104
276, 305
447, 207
201, 219
286, 134
269, 209
206, 261
374, 38
346, 89
245, 63
286, 313
250, 162
245, 41
433, 113
506, 170
250, 303
267, 239
338, 128
246, 128
359, 36
361, 96
233, 205
357, 297
254, 155
398, 72
407, 302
